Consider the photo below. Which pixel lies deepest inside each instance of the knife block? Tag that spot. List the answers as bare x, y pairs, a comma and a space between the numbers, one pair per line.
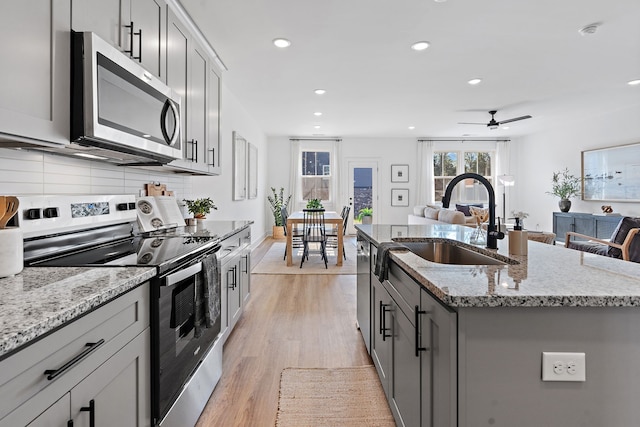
11, 251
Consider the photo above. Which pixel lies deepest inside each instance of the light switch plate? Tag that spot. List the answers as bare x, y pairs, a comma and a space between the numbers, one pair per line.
563, 366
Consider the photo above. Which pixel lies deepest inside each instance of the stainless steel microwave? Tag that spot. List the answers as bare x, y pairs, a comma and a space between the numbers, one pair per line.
120, 111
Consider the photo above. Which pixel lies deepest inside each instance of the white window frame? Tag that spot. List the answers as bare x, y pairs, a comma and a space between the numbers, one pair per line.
326, 146
472, 188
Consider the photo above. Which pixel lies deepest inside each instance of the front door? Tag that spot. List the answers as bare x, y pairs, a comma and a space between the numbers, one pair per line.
363, 177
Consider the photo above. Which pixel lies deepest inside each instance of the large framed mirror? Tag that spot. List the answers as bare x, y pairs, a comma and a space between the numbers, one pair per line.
253, 171
239, 167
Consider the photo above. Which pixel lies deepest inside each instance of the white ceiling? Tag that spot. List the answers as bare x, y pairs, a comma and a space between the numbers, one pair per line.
529, 54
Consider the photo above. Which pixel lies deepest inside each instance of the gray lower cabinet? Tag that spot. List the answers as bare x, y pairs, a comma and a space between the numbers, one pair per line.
363, 289
235, 272
34, 80
413, 347
95, 367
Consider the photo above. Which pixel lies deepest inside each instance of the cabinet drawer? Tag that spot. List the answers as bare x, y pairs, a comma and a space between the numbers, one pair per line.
403, 289
22, 375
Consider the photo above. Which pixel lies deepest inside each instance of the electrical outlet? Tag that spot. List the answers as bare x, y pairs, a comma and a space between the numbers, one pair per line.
563, 366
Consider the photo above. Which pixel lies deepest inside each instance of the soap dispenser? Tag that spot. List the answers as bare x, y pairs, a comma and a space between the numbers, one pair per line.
518, 240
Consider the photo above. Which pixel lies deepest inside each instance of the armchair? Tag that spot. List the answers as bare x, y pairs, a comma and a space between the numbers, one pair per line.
623, 243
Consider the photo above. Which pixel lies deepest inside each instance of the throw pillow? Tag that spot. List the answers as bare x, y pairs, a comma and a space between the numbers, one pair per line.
465, 208
418, 210
431, 213
620, 233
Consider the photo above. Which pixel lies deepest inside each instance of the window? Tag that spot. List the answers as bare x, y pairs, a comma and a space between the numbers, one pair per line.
447, 165
316, 175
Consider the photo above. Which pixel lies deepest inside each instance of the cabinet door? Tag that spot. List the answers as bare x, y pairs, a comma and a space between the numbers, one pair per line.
585, 224
405, 381
562, 223
437, 327
245, 276
213, 121
119, 389
234, 296
144, 41
381, 341
363, 291
34, 78
57, 415
197, 107
99, 16
177, 73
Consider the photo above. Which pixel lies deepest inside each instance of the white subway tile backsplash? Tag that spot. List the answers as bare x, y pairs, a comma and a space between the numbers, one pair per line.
32, 172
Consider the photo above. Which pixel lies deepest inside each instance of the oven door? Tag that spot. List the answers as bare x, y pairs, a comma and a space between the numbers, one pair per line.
188, 323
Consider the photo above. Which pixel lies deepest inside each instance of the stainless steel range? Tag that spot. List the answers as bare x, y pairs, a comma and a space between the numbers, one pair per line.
186, 353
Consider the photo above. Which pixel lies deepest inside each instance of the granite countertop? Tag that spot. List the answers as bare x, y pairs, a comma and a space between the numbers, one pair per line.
40, 299
549, 276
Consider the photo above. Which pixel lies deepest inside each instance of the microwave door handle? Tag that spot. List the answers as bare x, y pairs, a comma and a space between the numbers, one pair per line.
169, 104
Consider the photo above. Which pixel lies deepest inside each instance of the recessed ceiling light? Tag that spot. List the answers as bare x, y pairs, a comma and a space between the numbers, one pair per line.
316, 127
320, 91
420, 45
440, 1
281, 42
505, 127
412, 127
317, 113
634, 82
474, 81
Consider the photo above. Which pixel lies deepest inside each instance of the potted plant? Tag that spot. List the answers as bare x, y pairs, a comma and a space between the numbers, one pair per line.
277, 202
314, 204
565, 186
200, 207
366, 215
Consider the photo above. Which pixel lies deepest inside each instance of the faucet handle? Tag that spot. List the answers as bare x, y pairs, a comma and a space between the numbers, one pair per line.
498, 234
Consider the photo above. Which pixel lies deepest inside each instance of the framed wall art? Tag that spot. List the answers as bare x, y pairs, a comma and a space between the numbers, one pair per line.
399, 173
612, 174
239, 167
399, 197
252, 167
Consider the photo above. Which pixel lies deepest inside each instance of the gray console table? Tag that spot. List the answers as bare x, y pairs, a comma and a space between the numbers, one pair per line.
599, 226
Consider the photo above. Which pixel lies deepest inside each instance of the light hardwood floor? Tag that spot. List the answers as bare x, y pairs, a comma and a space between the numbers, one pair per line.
290, 321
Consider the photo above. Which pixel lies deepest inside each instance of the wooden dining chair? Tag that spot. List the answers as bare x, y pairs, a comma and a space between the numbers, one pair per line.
314, 232
332, 236
296, 233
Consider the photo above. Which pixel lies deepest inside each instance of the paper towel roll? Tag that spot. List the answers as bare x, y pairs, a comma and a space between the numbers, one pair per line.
11, 251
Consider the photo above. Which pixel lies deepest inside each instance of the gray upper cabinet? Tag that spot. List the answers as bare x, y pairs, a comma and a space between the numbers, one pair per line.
134, 26
34, 80
144, 41
191, 72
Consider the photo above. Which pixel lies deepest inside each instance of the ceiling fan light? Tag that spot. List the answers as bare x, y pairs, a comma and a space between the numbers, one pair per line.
493, 126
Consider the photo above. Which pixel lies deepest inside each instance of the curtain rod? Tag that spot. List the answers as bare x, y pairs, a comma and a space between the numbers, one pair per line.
463, 140
315, 139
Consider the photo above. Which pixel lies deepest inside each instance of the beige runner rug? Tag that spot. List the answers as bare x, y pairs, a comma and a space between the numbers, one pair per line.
345, 397
273, 262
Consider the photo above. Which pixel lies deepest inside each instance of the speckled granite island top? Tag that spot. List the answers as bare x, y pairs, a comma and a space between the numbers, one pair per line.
40, 299
549, 276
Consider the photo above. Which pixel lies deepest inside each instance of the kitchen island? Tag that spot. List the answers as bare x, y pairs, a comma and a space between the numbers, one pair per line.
479, 332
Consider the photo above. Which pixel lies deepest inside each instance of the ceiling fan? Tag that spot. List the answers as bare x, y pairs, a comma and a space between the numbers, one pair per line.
493, 124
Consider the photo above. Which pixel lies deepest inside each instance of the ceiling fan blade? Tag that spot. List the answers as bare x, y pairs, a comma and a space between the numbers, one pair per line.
515, 119
467, 123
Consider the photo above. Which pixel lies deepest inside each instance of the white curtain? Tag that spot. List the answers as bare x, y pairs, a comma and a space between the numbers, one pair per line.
503, 167
425, 187
294, 175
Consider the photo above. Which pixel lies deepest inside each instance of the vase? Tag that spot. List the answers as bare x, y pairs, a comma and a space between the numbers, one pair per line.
565, 205
367, 219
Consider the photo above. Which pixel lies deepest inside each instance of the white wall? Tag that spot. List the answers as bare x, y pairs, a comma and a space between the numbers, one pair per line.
539, 155
386, 151
220, 188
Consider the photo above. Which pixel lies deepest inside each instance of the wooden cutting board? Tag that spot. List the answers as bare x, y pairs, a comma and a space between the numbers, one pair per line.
156, 189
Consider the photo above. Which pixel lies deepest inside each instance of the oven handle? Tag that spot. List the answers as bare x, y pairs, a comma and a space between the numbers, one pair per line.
178, 276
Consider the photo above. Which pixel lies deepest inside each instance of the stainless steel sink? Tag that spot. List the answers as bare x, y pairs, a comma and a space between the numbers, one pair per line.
448, 253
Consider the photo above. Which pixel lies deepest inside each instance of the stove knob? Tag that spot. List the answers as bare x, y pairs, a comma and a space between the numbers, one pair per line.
122, 207
32, 213
51, 213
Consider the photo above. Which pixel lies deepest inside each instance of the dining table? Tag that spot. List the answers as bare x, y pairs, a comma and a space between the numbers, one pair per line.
330, 217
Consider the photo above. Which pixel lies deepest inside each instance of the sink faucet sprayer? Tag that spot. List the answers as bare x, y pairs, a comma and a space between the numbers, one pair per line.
492, 233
